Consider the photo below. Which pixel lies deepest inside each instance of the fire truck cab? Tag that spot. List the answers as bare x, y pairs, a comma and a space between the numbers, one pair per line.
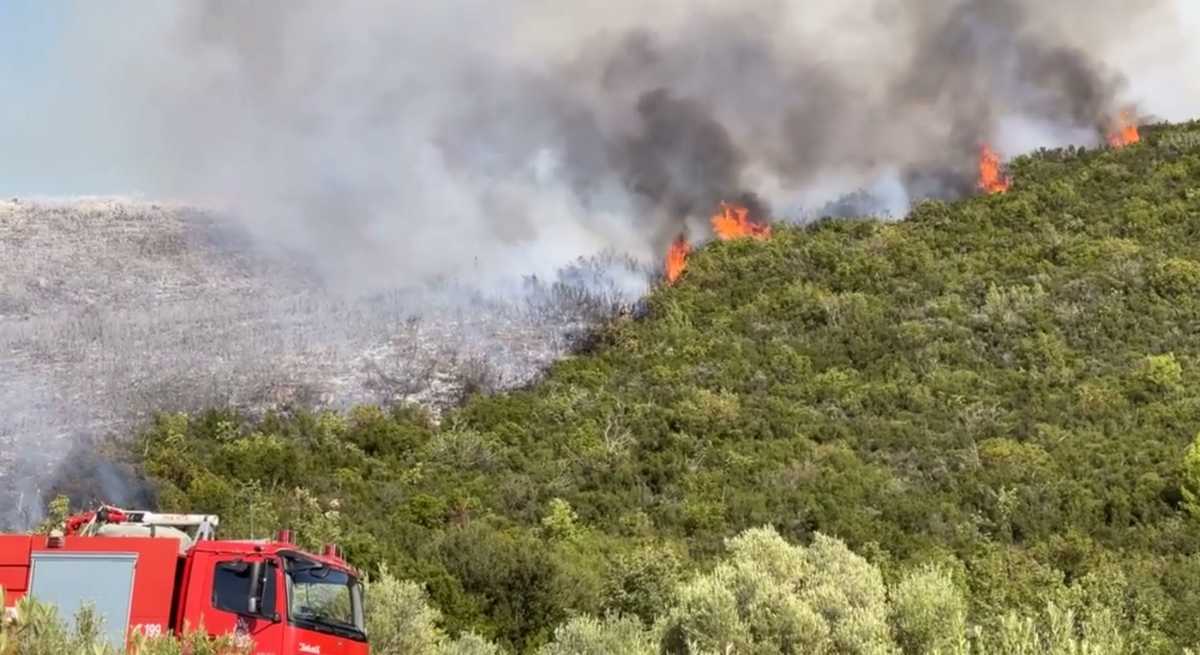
155, 573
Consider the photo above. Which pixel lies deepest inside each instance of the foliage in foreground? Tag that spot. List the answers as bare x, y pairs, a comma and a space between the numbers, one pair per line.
1005, 387
37, 629
766, 596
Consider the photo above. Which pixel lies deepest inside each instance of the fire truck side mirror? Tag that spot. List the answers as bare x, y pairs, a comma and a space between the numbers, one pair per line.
254, 602
258, 582
258, 590
248, 588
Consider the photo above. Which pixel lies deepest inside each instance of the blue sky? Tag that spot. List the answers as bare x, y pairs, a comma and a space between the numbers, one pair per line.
30, 37
57, 133
29, 30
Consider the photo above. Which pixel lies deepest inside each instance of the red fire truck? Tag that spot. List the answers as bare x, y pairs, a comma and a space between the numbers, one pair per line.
151, 573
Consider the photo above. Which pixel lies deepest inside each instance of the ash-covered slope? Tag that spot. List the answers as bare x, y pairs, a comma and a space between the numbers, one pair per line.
111, 310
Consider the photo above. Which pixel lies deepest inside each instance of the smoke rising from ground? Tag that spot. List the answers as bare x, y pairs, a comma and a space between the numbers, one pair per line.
113, 310
394, 142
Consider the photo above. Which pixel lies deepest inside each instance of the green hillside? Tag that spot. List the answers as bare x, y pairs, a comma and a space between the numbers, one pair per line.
1005, 387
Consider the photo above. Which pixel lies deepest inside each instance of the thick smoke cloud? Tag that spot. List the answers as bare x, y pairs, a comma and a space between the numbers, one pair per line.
390, 143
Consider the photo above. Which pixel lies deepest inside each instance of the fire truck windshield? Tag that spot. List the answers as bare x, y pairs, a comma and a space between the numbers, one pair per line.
323, 598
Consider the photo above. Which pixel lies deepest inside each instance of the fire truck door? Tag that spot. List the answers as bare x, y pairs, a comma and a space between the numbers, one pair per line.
233, 610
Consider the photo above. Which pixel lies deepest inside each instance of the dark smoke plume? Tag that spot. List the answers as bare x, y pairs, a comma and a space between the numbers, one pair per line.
393, 142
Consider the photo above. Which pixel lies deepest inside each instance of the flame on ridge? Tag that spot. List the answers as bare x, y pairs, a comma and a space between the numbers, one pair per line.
991, 178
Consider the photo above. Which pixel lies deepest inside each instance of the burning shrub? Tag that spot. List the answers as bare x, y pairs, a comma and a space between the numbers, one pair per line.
1124, 130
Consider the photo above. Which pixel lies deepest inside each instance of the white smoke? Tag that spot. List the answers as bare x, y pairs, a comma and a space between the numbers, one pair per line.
394, 142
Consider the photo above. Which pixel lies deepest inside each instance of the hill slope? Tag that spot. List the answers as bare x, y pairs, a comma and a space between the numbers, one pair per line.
112, 309
1007, 384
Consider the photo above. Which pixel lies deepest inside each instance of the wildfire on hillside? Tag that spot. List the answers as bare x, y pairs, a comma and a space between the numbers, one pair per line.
991, 178
1124, 131
677, 258
733, 222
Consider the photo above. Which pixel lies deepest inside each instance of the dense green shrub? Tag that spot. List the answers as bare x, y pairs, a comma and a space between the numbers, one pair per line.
1008, 384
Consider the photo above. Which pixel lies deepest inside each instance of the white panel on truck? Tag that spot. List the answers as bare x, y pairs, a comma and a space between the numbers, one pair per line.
70, 580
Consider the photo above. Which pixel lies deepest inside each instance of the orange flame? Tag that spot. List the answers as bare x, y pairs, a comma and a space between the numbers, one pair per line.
991, 178
1125, 131
733, 222
677, 258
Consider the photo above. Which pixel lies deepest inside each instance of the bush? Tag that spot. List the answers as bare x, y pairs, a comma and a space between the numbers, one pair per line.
591, 636
400, 620
772, 597
36, 629
929, 613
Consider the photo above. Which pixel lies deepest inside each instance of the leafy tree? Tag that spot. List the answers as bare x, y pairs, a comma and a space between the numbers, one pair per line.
56, 515
929, 613
642, 582
591, 636
773, 597
560, 521
400, 621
